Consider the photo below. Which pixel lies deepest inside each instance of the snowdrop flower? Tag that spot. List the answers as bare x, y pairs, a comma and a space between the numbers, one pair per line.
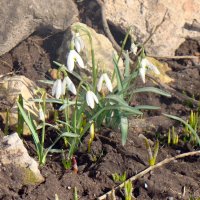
73, 57
78, 42
104, 79
91, 98
146, 65
134, 48
57, 88
69, 84
41, 114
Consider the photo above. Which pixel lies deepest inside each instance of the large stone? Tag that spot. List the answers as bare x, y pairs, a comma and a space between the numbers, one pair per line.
13, 152
103, 50
19, 19
182, 20
10, 88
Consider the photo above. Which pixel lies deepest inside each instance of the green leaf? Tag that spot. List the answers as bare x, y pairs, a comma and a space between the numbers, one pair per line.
124, 129
20, 123
127, 65
186, 124
32, 128
118, 75
65, 134
146, 107
117, 99
46, 81
152, 89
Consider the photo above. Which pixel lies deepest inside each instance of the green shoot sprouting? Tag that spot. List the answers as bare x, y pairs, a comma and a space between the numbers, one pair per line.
92, 134
75, 194
56, 197
172, 137
190, 127
128, 189
119, 178
151, 155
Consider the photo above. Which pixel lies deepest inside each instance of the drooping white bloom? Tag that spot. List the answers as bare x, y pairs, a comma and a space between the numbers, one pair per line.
78, 42
146, 65
57, 88
104, 79
69, 84
41, 114
134, 48
73, 57
91, 99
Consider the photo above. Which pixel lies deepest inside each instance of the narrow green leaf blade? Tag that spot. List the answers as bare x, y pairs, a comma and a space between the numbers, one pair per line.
124, 129
152, 89
31, 127
118, 75
186, 124
20, 123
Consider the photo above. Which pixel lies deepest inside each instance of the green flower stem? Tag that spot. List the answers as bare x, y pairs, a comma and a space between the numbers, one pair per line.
94, 68
43, 122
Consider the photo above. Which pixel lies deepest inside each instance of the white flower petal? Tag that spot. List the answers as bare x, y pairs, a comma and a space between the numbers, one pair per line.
73, 56
59, 89
70, 85
146, 65
142, 72
153, 67
95, 98
108, 82
70, 61
134, 48
41, 114
91, 98
54, 88
64, 83
77, 45
104, 78
100, 83
79, 60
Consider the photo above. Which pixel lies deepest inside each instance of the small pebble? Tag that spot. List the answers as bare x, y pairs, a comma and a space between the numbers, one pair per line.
178, 151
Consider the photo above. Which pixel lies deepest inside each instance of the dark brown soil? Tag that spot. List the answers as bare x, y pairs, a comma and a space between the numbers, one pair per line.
33, 58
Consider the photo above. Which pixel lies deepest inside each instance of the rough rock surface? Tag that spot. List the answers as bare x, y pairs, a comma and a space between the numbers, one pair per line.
11, 87
19, 19
13, 152
182, 20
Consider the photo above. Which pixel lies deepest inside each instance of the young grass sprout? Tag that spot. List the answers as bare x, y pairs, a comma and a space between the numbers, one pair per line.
151, 155
119, 178
172, 137
191, 127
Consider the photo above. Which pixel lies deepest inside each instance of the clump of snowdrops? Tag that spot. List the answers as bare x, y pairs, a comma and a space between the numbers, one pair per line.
85, 107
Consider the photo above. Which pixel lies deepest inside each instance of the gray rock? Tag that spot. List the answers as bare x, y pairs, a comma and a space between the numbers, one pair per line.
19, 19
13, 152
